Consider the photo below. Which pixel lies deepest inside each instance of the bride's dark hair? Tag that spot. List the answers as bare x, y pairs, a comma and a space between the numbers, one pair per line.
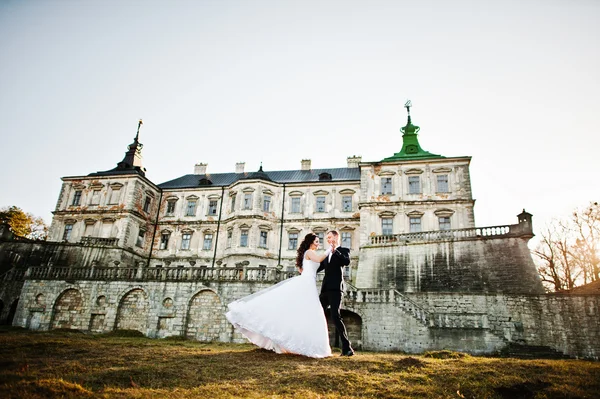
304, 245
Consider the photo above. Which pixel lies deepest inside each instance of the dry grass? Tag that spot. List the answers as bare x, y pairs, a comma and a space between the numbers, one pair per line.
75, 365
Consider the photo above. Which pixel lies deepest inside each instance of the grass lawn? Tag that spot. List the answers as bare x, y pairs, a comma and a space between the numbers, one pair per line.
75, 365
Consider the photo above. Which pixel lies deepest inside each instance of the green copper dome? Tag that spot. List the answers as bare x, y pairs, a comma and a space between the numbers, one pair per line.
410, 143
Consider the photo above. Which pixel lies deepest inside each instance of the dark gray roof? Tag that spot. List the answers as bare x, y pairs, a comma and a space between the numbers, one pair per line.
278, 176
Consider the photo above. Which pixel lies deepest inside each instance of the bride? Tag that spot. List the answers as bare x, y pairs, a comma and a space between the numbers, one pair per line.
287, 317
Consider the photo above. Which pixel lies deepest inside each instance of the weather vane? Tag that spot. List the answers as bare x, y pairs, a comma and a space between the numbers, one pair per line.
407, 106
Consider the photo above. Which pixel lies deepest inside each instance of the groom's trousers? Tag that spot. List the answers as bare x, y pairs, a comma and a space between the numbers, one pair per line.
333, 299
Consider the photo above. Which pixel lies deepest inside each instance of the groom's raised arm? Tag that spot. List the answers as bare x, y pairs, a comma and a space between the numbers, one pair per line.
343, 254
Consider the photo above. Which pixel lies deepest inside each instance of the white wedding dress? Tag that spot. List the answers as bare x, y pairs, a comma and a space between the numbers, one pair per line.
285, 318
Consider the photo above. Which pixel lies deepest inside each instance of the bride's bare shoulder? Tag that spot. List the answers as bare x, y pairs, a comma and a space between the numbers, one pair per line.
308, 253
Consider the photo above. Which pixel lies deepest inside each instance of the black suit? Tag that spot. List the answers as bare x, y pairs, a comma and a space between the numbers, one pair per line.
333, 288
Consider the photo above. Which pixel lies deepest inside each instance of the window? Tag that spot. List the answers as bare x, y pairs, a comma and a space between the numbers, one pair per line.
262, 243
207, 241
67, 232
147, 204
233, 203
229, 237
320, 204
139, 242
164, 240
191, 208
415, 224
321, 236
171, 207
248, 201
387, 226
295, 205
386, 185
293, 241
244, 238
95, 197
115, 195
185, 240
212, 207
347, 239
442, 183
444, 223
77, 198
414, 185
347, 203
266, 203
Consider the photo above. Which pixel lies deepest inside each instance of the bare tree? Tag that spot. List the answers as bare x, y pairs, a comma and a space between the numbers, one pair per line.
568, 253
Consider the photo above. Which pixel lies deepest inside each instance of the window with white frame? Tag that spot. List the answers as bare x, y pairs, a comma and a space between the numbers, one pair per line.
262, 242
415, 224
387, 226
442, 183
444, 223
67, 232
212, 207
244, 238
95, 197
266, 203
229, 238
320, 203
191, 207
233, 202
321, 236
76, 198
347, 203
171, 207
347, 239
295, 205
292, 240
248, 201
386, 185
186, 239
164, 240
208, 237
139, 242
414, 184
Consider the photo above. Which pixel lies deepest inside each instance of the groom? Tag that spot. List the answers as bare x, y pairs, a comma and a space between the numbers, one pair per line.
332, 288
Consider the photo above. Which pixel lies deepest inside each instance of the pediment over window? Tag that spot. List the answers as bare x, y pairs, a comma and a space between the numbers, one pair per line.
90, 222
149, 193
347, 228
192, 197
171, 198
386, 173
207, 231
214, 197
166, 231
232, 193
413, 171
116, 186
415, 214
296, 193
268, 192
96, 186
319, 229
265, 227
387, 214
78, 186
187, 231
321, 192
245, 226
70, 221
347, 191
248, 189
293, 230
108, 220
444, 212
443, 169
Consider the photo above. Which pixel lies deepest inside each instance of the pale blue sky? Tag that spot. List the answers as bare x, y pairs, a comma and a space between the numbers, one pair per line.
514, 84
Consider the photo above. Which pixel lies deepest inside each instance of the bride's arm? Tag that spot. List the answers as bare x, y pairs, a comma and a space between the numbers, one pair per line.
312, 255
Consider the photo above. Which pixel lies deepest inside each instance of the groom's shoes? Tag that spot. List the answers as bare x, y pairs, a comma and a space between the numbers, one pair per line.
348, 353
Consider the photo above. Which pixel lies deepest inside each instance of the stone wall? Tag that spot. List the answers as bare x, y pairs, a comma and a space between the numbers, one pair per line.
479, 264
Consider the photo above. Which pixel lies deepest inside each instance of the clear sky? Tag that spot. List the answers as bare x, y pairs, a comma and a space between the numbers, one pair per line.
515, 84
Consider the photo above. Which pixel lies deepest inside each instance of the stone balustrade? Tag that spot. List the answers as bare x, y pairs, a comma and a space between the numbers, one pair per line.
450, 235
262, 274
99, 241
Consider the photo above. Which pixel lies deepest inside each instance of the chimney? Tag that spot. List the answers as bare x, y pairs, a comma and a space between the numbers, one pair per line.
353, 161
305, 164
200, 168
239, 167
